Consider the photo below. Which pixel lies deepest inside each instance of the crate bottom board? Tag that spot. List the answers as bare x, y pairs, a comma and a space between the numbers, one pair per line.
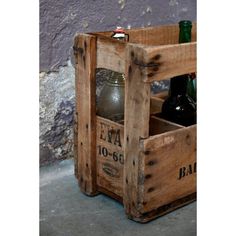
152, 215
160, 211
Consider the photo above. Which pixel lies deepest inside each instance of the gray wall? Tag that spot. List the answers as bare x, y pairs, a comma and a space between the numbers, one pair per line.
61, 19
59, 22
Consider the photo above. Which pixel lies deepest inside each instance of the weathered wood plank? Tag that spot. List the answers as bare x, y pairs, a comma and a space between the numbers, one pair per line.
111, 54
156, 105
153, 36
110, 156
85, 47
159, 125
137, 110
164, 209
170, 167
165, 62
170, 57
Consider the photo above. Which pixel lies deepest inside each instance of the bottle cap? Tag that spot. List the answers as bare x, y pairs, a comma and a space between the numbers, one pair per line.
118, 33
119, 30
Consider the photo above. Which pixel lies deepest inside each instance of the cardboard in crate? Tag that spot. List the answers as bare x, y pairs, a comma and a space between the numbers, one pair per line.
145, 162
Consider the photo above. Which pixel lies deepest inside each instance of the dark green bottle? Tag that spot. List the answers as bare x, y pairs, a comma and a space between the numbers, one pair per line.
185, 27
179, 107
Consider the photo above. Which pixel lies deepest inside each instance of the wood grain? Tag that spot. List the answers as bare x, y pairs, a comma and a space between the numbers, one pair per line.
156, 105
137, 111
110, 156
159, 126
165, 155
111, 54
167, 61
85, 46
153, 36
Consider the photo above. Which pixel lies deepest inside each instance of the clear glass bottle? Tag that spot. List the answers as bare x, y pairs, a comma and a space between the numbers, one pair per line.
110, 102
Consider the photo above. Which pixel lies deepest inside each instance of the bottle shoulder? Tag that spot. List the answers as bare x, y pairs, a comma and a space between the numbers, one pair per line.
179, 103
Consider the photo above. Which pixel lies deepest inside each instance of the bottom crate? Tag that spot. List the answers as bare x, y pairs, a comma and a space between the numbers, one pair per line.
167, 172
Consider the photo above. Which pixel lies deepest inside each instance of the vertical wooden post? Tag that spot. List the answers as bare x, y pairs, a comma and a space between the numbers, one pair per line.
137, 111
85, 48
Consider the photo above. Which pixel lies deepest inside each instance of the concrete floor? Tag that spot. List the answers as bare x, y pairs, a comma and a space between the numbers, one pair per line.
65, 211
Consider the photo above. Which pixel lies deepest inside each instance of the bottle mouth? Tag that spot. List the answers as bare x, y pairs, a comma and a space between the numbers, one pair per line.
185, 23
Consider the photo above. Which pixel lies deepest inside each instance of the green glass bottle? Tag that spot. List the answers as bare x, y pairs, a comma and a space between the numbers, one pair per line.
179, 107
185, 27
191, 89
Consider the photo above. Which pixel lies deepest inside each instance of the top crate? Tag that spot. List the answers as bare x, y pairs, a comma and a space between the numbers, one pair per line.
156, 171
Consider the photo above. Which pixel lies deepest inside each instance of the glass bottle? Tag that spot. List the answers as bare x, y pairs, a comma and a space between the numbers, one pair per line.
110, 102
191, 90
179, 107
185, 27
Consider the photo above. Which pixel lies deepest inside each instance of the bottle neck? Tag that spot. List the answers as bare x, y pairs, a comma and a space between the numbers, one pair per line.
185, 28
178, 85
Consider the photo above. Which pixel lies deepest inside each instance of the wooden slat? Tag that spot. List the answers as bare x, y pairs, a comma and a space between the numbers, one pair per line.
165, 155
111, 54
165, 62
156, 105
158, 35
137, 110
85, 47
158, 126
110, 156
164, 209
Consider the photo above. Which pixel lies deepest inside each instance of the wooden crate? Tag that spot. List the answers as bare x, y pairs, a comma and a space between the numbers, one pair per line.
145, 162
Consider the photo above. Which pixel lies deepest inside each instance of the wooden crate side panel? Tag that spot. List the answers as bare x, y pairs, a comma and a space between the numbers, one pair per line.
85, 48
156, 105
111, 54
165, 62
110, 156
137, 110
170, 167
159, 35
159, 125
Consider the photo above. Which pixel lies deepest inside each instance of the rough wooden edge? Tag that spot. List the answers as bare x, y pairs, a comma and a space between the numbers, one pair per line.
168, 122
151, 139
161, 34
111, 54
156, 105
75, 133
167, 61
137, 110
75, 125
85, 50
110, 194
149, 216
